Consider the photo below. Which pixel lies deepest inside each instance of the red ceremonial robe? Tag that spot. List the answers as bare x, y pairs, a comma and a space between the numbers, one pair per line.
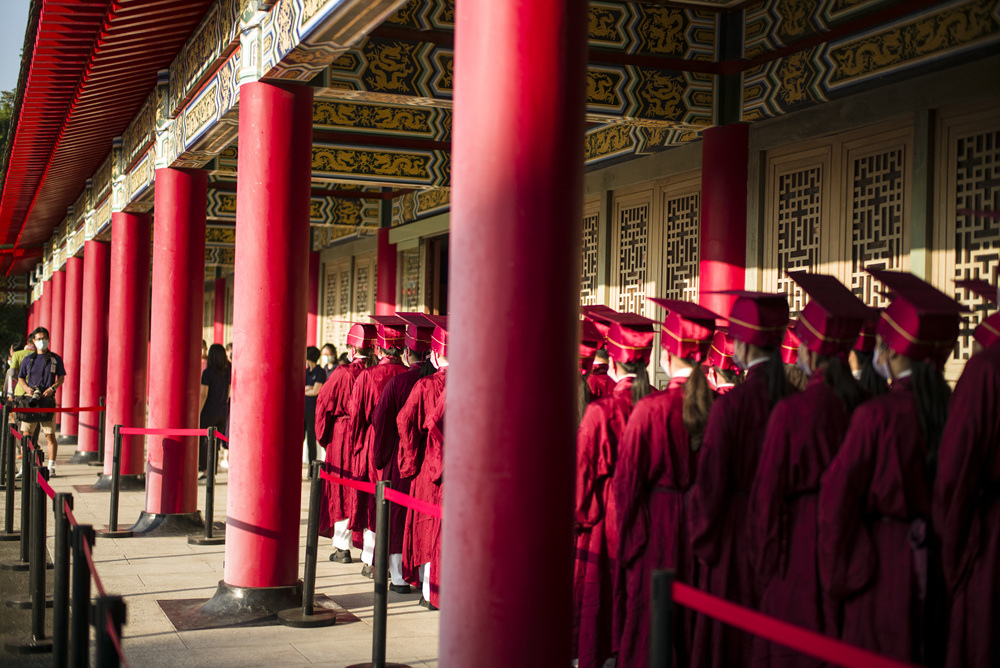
597, 525
385, 447
367, 390
654, 472
434, 463
803, 435
418, 532
332, 406
728, 463
599, 382
873, 503
967, 513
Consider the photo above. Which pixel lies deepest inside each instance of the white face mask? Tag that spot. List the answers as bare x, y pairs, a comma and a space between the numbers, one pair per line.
326, 359
881, 365
41, 344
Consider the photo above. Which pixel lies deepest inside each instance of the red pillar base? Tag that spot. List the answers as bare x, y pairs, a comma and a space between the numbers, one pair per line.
173, 524
244, 604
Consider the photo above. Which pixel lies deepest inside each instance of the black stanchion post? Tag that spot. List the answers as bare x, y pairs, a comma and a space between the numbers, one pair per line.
208, 538
38, 556
381, 568
101, 416
8, 511
661, 619
105, 607
27, 471
116, 465
79, 643
60, 607
308, 615
5, 477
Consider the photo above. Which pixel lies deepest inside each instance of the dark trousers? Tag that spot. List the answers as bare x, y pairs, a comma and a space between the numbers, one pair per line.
311, 434
220, 424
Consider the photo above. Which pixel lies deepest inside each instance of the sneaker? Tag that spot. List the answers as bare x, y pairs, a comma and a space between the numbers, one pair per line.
52, 469
342, 557
367, 572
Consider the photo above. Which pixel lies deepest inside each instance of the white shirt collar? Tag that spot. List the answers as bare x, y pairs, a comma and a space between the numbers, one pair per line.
683, 372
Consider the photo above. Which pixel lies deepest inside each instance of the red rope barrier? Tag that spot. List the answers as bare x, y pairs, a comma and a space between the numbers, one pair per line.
58, 409
115, 640
783, 633
139, 431
368, 487
93, 569
222, 437
413, 502
49, 492
16, 434
70, 517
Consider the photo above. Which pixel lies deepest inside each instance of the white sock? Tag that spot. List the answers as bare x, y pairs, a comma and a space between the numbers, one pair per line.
52, 463
368, 551
341, 536
396, 569
425, 576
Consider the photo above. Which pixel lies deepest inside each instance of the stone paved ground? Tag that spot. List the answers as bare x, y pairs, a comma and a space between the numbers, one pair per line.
148, 569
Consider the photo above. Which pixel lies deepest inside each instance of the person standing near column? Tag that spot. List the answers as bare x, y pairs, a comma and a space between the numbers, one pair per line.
729, 454
629, 345
877, 552
364, 397
315, 377
40, 375
657, 460
385, 443
413, 424
966, 501
332, 410
803, 435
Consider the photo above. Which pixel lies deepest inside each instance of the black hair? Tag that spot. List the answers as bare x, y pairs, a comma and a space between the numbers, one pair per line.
838, 375
796, 377
38, 330
728, 375
698, 398
369, 356
583, 397
331, 347
777, 383
640, 384
933, 394
872, 383
312, 354
343, 359
217, 358
426, 366
393, 352
602, 354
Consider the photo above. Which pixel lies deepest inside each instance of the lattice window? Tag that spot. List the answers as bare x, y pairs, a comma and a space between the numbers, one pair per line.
799, 211
364, 288
682, 218
227, 328
633, 235
876, 221
208, 317
977, 229
588, 265
410, 289
336, 302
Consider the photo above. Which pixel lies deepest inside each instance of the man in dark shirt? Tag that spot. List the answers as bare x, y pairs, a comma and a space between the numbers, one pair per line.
42, 370
315, 377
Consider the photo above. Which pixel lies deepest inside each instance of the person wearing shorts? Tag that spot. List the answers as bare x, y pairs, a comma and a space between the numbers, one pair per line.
42, 370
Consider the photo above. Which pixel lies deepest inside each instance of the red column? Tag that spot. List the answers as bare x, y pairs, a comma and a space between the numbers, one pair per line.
93, 340
385, 288
269, 331
58, 310
219, 328
31, 318
45, 317
175, 331
515, 243
70, 346
312, 313
725, 155
128, 336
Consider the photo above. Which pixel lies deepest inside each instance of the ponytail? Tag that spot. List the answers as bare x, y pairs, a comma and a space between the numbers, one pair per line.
640, 384
838, 376
870, 381
698, 399
583, 397
932, 394
367, 353
774, 367
426, 366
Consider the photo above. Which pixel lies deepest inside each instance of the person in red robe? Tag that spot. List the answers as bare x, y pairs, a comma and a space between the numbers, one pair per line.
723, 374
385, 442
598, 380
332, 410
657, 458
966, 501
413, 424
434, 463
876, 549
803, 434
629, 343
726, 468
367, 390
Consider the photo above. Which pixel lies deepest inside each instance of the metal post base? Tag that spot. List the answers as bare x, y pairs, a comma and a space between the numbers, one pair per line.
8, 537
387, 665
27, 645
174, 524
81, 457
107, 533
23, 602
126, 483
201, 540
320, 617
244, 603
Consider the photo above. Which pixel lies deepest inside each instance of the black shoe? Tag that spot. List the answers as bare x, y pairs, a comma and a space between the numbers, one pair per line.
342, 557
367, 572
424, 603
401, 589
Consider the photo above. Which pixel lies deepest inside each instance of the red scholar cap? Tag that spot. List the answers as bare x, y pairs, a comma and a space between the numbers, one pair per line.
866, 337
591, 340
988, 331
629, 337
720, 354
830, 322
922, 322
362, 335
687, 330
419, 327
593, 314
439, 337
391, 331
790, 344
758, 318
